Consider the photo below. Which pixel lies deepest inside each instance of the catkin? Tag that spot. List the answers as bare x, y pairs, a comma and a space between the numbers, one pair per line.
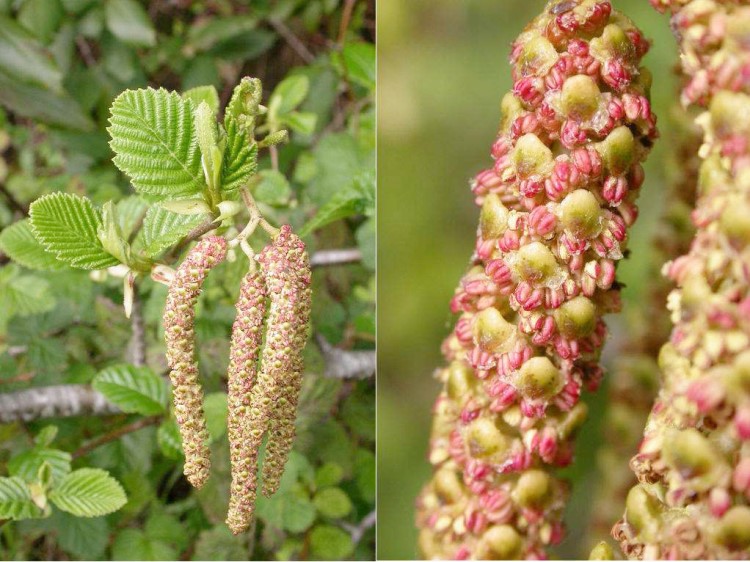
247, 338
179, 332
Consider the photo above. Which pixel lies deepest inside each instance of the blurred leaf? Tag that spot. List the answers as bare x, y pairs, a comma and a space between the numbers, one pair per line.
273, 188
332, 444
168, 437
41, 17
356, 62
207, 33
358, 411
133, 389
134, 544
355, 199
330, 543
288, 511
206, 94
367, 242
24, 295
67, 226
288, 95
215, 407
162, 526
162, 229
46, 436
333, 503
327, 475
26, 465
153, 137
240, 158
339, 160
218, 543
15, 500
129, 22
84, 538
88, 492
300, 122
23, 59
365, 474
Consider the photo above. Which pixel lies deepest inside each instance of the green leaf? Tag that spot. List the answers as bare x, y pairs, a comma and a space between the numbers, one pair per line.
240, 157
130, 23
153, 137
219, 543
330, 543
88, 492
366, 240
23, 59
67, 225
134, 544
162, 229
15, 500
288, 95
357, 63
168, 438
41, 17
333, 503
290, 511
84, 538
215, 406
130, 213
19, 243
356, 199
46, 436
365, 474
273, 189
327, 475
26, 465
24, 295
133, 389
301, 122
209, 32
206, 94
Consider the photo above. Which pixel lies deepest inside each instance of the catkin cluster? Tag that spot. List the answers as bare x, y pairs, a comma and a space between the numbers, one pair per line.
268, 403
555, 210
179, 332
265, 365
693, 465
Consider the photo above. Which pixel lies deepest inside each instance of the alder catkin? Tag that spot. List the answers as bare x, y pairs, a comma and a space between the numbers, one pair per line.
282, 428
247, 338
282, 264
179, 333
556, 208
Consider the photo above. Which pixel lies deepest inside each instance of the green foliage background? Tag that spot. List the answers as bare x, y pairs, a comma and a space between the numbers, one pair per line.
442, 70
62, 62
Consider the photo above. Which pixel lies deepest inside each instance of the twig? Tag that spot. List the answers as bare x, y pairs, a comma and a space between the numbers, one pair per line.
346, 17
137, 345
341, 364
358, 531
197, 232
59, 401
86, 53
324, 258
115, 434
294, 42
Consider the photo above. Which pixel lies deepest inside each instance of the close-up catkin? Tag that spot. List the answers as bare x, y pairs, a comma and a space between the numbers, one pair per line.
555, 211
179, 333
247, 338
693, 465
285, 268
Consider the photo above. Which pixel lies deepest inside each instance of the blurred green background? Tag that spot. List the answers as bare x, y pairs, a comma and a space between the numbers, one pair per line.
442, 70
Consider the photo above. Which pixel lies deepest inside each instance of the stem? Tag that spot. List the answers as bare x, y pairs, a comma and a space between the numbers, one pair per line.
115, 434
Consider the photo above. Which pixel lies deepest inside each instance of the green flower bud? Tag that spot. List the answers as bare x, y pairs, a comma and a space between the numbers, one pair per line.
576, 318
493, 220
580, 97
537, 57
642, 511
602, 551
501, 542
492, 332
531, 156
448, 485
613, 43
618, 151
580, 213
510, 109
730, 113
693, 456
735, 220
485, 439
460, 380
536, 263
532, 489
733, 530
539, 378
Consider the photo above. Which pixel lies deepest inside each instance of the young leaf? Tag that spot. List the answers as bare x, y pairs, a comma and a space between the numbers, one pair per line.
358, 198
24, 295
66, 225
201, 94
134, 544
15, 500
273, 189
357, 63
330, 543
153, 137
162, 229
168, 437
130, 214
130, 23
240, 157
133, 389
88, 492
84, 538
288, 95
333, 503
26, 465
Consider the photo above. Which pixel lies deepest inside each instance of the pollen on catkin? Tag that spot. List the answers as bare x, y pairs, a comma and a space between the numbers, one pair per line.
556, 207
247, 338
179, 333
282, 427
